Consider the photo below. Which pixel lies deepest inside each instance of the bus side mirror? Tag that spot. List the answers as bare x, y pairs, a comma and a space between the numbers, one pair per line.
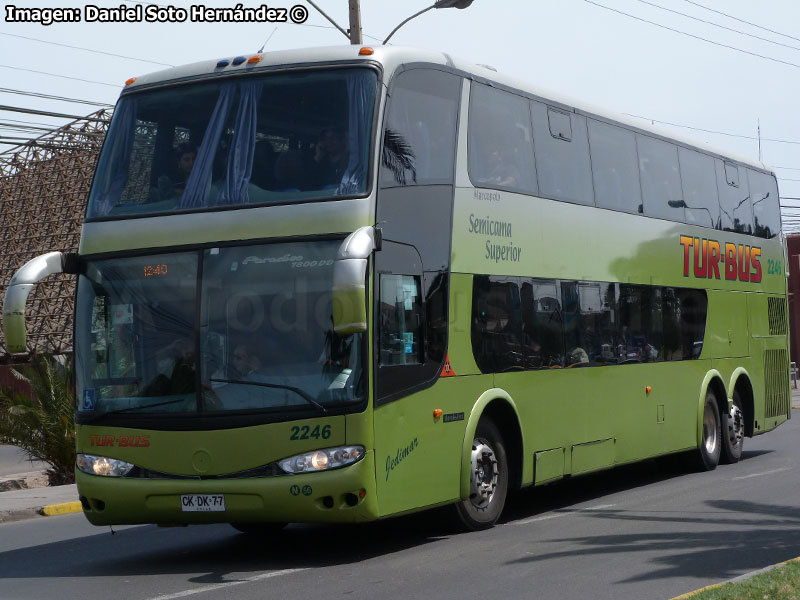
349, 281
21, 285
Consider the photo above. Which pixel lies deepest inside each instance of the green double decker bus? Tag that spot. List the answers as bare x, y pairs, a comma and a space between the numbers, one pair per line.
341, 284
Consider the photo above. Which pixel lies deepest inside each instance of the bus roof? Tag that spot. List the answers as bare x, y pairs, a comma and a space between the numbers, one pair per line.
392, 57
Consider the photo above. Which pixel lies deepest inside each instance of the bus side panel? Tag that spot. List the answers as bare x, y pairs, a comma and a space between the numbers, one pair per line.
727, 333
418, 457
572, 407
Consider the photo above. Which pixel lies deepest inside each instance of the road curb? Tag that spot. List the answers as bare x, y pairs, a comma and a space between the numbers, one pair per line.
64, 508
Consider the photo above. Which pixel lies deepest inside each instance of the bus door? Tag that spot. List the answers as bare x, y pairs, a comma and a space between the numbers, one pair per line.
417, 457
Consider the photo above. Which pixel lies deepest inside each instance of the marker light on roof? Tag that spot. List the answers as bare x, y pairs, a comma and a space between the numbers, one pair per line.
366, 51
238, 60
254, 59
223, 63
130, 81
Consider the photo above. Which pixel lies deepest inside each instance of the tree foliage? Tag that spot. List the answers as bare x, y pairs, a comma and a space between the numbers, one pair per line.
43, 426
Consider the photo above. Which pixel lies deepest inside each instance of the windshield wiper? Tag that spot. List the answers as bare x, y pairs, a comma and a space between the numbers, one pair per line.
278, 386
135, 408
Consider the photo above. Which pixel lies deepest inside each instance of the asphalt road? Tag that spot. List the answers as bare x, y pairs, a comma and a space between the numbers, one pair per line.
632, 533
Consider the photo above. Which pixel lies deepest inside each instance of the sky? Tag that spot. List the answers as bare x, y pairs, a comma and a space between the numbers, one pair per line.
715, 71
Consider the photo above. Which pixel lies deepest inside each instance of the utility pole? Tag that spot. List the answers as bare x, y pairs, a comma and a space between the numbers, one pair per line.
355, 22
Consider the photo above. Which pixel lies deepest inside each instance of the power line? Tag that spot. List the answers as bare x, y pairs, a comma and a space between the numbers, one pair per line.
51, 97
719, 12
23, 128
44, 113
677, 12
28, 122
726, 133
24, 37
332, 27
296, 24
697, 37
61, 76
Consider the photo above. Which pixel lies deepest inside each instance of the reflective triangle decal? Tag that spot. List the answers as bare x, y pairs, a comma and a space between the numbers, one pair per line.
447, 370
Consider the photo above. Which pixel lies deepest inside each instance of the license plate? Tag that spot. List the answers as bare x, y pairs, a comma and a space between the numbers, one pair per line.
203, 503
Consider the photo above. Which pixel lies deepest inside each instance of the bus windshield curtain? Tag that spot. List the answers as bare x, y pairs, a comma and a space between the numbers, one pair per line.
199, 183
116, 176
362, 97
243, 146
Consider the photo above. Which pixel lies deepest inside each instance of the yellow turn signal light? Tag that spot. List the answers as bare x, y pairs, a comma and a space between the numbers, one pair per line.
366, 51
437, 412
130, 81
254, 59
648, 389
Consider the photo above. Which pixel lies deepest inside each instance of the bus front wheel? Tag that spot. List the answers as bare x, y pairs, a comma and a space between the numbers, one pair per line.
711, 440
488, 480
733, 431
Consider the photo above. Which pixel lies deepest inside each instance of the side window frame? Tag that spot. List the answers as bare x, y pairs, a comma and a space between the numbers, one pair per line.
398, 155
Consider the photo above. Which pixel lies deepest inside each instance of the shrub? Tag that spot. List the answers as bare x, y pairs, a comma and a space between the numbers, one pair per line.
43, 426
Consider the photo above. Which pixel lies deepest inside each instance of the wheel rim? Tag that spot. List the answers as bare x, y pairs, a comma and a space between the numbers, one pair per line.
709, 429
736, 426
484, 475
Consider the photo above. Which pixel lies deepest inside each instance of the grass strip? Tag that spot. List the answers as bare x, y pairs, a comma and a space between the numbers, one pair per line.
780, 583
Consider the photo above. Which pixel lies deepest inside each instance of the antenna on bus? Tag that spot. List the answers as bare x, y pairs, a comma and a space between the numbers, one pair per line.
264, 45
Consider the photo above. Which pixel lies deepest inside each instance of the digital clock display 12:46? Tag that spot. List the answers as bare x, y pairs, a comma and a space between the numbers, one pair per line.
155, 270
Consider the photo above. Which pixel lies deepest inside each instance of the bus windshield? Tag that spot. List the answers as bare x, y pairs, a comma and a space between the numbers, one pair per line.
258, 337
238, 142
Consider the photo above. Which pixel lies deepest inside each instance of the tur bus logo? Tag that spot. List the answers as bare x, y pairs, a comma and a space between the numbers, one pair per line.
739, 261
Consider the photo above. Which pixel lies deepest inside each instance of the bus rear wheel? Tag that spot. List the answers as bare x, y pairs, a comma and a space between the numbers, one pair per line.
711, 440
488, 480
733, 432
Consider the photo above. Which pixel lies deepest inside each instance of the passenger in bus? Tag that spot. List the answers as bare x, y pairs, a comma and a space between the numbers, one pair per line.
577, 357
503, 173
330, 159
497, 169
245, 361
186, 155
172, 186
175, 369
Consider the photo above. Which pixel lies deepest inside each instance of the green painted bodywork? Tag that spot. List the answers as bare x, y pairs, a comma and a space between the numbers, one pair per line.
571, 420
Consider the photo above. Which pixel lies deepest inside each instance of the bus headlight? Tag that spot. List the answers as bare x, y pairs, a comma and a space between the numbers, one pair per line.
322, 460
101, 465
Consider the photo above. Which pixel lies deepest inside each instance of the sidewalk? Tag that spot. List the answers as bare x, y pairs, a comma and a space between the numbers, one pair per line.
28, 503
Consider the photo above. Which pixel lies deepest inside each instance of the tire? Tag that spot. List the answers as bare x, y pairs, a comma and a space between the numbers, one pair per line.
733, 432
710, 447
260, 529
488, 480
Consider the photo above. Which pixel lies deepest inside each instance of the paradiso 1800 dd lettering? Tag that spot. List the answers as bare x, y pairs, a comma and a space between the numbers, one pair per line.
739, 261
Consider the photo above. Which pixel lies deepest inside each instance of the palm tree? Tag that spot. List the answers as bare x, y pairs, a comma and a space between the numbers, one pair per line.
43, 426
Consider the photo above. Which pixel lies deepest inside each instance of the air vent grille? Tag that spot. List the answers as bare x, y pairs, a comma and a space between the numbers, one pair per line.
776, 310
776, 375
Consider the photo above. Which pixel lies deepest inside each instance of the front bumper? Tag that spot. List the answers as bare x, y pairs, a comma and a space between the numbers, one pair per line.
313, 497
